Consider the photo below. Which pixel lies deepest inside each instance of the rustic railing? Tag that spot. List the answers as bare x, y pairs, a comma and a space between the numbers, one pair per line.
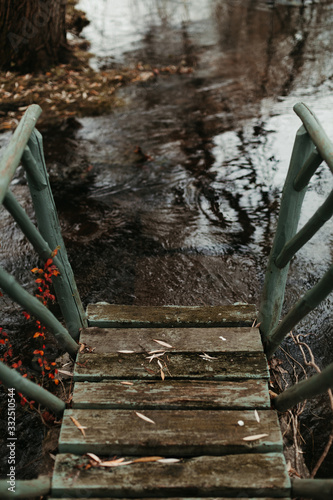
311, 147
26, 148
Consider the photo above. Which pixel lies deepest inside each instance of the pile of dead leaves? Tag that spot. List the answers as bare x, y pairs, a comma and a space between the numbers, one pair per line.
66, 91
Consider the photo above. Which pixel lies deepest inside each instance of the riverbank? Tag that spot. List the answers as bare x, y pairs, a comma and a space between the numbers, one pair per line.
74, 89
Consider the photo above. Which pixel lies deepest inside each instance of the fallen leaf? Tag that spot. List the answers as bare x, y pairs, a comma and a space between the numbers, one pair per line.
154, 356
115, 463
169, 460
126, 352
255, 437
78, 425
222, 338
256, 414
82, 347
206, 356
64, 372
147, 419
163, 343
126, 383
147, 459
94, 457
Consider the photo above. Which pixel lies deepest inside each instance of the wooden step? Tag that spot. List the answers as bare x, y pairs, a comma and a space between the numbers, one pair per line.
110, 315
172, 394
175, 498
250, 475
192, 365
145, 340
172, 433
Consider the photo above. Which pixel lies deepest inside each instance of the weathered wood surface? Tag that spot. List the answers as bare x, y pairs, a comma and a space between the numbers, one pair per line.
173, 433
225, 366
107, 315
174, 498
172, 394
107, 340
232, 475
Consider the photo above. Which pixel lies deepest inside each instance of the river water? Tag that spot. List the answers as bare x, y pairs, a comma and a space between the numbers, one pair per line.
173, 198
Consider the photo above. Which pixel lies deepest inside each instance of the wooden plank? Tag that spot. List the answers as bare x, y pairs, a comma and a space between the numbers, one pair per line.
111, 315
174, 433
226, 366
106, 340
172, 395
232, 475
174, 498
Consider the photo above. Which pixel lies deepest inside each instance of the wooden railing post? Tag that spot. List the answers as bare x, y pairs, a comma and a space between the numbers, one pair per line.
291, 204
49, 227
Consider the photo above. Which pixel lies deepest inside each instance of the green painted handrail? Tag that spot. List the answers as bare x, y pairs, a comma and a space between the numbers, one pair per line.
17, 293
316, 132
291, 204
12, 155
322, 215
306, 304
49, 227
26, 488
26, 147
309, 388
317, 489
310, 148
14, 380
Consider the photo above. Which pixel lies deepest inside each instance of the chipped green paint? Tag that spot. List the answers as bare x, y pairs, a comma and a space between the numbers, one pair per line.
26, 488
109, 315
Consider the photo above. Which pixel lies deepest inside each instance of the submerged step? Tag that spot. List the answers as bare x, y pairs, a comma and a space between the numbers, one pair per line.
264, 475
169, 432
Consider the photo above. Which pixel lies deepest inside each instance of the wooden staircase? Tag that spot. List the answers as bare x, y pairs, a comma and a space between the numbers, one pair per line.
174, 401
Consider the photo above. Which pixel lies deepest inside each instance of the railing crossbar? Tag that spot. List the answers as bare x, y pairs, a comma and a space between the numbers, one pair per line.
322, 215
27, 227
30, 166
309, 388
12, 378
307, 171
17, 293
306, 304
315, 489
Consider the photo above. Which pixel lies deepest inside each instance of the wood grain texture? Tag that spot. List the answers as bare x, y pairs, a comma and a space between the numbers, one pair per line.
174, 433
110, 315
226, 366
172, 394
233, 475
107, 340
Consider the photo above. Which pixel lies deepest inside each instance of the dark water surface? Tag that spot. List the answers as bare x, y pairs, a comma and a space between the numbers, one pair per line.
173, 199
